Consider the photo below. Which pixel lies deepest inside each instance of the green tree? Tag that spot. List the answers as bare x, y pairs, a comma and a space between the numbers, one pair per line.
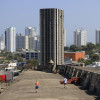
78, 48
80, 60
66, 48
32, 63
9, 57
73, 48
28, 66
84, 48
20, 59
90, 46
97, 45
87, 62
1, 61
94, 57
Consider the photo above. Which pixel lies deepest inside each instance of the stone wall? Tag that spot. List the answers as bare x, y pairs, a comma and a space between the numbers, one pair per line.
89, 79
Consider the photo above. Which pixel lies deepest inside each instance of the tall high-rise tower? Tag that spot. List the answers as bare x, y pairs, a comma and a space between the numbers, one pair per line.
64, 38
98, 36
10, 39
30, 31
20, 41
2, 42
80, 37
52, 36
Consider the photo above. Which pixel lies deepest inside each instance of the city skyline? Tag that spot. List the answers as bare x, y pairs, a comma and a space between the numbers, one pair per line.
25, 13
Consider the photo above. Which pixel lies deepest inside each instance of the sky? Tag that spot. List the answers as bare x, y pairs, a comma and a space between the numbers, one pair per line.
78, 14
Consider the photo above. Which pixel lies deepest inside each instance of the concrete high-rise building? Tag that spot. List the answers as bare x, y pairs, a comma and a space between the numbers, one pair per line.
65, 38
80, 37
97, 36
20, 41
30, 31
33, 43
27, 43
10, 39
24, 42
38, 42
52, 36
2, 42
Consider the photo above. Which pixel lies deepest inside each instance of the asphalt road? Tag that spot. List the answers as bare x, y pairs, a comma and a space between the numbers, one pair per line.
49, 89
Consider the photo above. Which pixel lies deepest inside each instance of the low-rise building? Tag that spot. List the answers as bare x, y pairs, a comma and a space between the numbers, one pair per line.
74, 55
12, 64
32, 55
94, 64
86, 57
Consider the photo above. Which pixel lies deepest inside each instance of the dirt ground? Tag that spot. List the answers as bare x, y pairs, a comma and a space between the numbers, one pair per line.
49, 88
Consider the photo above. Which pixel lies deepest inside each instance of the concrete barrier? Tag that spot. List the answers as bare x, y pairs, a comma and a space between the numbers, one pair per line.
89, 79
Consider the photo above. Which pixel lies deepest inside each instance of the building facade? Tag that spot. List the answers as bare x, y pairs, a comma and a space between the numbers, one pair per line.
2, 42
80, 37
75, 56
33, 43
51, 36
38, 43
32, 55
27, 42
98, 36
10, 39
30, 31
65, 38
20, 42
